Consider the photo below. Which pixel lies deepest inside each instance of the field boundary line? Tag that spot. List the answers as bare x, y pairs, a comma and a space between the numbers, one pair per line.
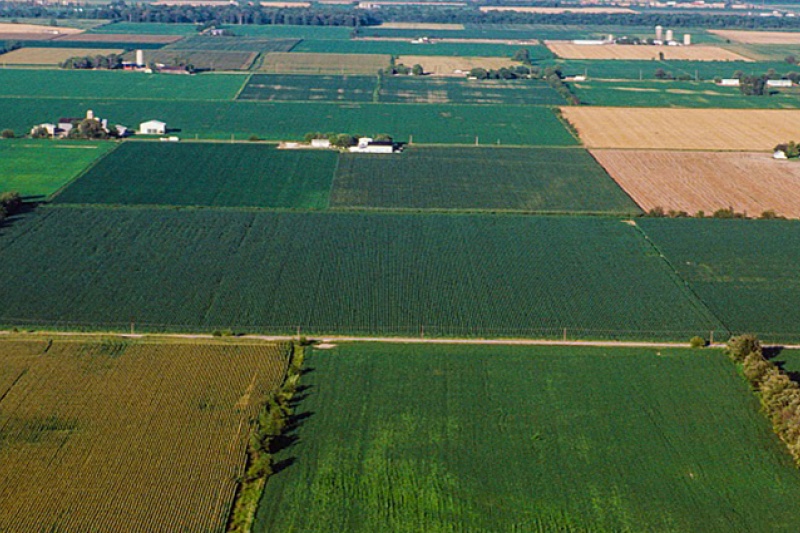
83, 172
242, 86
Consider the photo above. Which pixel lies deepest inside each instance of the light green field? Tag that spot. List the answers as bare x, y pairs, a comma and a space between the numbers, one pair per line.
39, 168
148, 28
540, 439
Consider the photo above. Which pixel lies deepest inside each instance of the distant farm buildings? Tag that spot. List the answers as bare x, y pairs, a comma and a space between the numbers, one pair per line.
367, 145
69, 126
153, 127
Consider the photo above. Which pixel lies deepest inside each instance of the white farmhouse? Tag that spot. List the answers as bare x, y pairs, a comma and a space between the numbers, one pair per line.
779, 83
153, 127
367, 145
320, 143
730, 82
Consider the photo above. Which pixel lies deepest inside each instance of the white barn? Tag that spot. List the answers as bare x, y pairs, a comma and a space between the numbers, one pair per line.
153, 127
367, 145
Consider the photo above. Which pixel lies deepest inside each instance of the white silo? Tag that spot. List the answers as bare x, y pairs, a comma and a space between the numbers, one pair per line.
659, 31
669, 35
687, 39
140, 58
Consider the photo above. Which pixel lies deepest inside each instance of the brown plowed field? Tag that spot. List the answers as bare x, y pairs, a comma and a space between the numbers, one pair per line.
568, 50
759, 37
706, 181
684, 129
109, 437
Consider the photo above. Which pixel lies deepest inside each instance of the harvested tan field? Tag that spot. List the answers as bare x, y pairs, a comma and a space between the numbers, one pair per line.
116, 436
684, 129
330, 64
759, 37
11, 28
26, 37
706, 181
557, 10
120, 38
420, 26
51, 56
447, 66
568, 50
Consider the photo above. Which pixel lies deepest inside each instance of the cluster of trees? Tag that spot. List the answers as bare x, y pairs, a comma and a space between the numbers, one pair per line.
9, 46
10, 203
404, 70
779, 395
342, 140
88, 128
791, 149
554, 77
727, 212
109, 62
661, 74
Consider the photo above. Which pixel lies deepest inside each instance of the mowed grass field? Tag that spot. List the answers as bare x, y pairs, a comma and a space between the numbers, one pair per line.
482, 438
745, 271
103, 435
207, 174
38, 168
455, 275
524, 179
281, 87
89, 85
330, 64
679, 94
683, 129
430, 124
413, 89
747, 182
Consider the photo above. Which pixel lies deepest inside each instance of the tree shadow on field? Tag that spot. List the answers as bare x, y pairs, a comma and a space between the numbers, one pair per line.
772, 354
286, 440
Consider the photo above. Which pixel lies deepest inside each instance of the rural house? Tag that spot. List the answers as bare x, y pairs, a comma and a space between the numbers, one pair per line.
153, 127
367, 145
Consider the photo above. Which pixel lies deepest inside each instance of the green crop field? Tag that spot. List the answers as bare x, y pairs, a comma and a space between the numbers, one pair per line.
200, 59
344, 273
286, 87
38, 168
146, 28
414, 89
99, 43
679, 94
401, 48
745, 271
233, 44
215, 174
325, 64
436, 124
481, 438
284, 31
613, 69
767, 52
527, 179
37, 84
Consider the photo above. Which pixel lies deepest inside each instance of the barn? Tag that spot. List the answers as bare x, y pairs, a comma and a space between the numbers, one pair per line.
153, 127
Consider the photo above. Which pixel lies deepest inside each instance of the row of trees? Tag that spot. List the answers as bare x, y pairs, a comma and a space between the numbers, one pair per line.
552, 75
109, 62
727, 212
779, 395
10, 203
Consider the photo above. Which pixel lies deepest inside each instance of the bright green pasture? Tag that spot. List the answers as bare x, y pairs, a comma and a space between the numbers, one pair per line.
148, 28
526, 179
679, 94
208, 174
18, 83
348, 273
443, 438
38, 168
744, 270
285, 31
399, 48
434, 123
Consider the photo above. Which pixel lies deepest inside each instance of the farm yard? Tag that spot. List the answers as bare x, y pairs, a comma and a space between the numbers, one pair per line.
329, 64
706, 181
568, 50
181, 411
514, 179
749, 292
683, 129
38, 168
579, 439
51, 56
373, 274
222, 175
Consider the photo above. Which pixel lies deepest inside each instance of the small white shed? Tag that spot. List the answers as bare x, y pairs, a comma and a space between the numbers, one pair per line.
153, 127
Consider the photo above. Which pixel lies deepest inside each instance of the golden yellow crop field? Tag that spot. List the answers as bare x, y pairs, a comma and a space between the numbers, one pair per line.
569, 50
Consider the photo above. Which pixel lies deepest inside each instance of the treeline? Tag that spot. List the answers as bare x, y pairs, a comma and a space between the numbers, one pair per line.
726, 212
109, 62
320, 15
10, 203
266, 439
552, 75
779, 395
